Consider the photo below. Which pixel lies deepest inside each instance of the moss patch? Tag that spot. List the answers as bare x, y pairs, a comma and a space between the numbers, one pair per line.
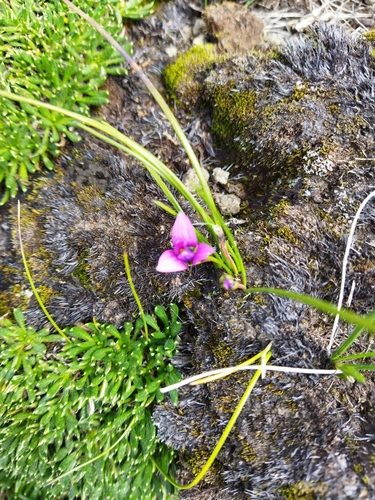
302, 491
181, 77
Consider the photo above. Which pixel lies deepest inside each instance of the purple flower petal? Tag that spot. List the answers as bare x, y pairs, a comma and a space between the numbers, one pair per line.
169, 263
203, 251
183, 232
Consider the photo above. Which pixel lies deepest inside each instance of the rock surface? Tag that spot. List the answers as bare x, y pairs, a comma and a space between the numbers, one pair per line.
299, 126
235, 27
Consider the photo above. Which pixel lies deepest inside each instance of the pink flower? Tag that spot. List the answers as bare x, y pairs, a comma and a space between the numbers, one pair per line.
187, 251
228, 283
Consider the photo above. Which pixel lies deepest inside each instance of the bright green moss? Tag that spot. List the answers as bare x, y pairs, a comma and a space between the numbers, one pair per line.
81, 272
180, 77
370, 35
49, 53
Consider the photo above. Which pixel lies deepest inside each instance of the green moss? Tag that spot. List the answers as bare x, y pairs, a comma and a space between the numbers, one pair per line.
180, 77
280, 209
370, 36
88, 198
45, 293
15, 296
302, 491
4, 305
287, 234
222, 352
299, 92
232, 112
197, 461
81, 271
248, 452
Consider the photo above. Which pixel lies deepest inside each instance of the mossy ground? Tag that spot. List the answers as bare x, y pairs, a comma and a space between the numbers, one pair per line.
288, 127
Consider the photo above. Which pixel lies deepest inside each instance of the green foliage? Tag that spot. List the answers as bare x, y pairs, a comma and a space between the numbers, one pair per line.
83, 409
51, 54
135, 9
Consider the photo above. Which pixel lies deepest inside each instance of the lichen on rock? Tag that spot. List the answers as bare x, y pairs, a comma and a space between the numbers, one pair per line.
299, 129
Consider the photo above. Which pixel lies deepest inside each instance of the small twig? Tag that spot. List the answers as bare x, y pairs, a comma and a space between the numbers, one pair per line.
224, 372
344, 265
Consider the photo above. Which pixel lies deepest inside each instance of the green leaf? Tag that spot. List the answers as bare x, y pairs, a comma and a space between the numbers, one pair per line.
175, 329
67, 463
121, 419
52, 338
169, 345
101, 353
128, 329
111, 330
60, 455
22, 416
151, 322
71, 421
158, 335
74, 349
350, 371
79, 333
351, 338
361, 355
174, 396
19, 317
162, 315
153, 386
141, 395
54, 389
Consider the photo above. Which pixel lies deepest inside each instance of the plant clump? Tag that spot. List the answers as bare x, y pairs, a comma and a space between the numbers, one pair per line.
75, 418
49, 53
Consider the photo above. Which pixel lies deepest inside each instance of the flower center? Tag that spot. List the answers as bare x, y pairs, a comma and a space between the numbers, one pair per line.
186, 254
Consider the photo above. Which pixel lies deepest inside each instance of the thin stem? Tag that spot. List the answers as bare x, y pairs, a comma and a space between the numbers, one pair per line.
213, 375
30, 279
134, 292
345, 263
322, 305
224, 371
361, 355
